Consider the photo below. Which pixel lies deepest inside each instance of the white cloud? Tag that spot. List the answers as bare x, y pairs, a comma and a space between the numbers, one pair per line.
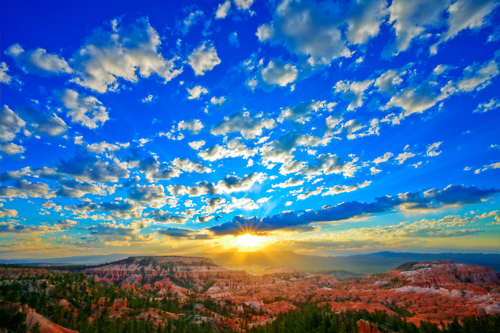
4, 77
353, 92
108, 56
223, 9
218, 101
10, 124
196, 92
374, 170
193, 125
243, 5
465, 14
404, 156
411, 18
187, 165
492, 104
310, 193
86, 110
148, 99
432, 149
249, 127
11, 148
190, 20
233, 39
234, 148
104, 146
384, 158
475, 77
388, 81
299, 112
307, 30
488, 167
38, 61
203, 59
337, 189
290, 183
196, 145
278, 73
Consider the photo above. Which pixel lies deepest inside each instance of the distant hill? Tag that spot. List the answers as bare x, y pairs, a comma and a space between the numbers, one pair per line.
77, 260
364, 263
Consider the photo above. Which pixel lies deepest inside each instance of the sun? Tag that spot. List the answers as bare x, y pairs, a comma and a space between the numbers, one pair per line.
250, 242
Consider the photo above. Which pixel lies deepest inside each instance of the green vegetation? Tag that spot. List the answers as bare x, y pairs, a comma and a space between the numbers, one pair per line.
406, 266
44, 292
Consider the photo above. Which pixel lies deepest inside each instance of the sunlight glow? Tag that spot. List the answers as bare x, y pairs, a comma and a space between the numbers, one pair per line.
249, 242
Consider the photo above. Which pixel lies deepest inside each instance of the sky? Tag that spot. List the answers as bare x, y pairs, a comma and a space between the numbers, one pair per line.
320, 127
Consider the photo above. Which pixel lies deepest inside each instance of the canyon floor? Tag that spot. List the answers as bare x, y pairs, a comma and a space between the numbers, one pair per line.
169, 291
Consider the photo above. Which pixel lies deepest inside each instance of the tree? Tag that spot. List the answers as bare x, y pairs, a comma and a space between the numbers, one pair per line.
35, 328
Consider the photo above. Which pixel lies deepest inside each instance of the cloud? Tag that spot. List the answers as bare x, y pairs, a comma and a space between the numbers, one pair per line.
24, 189
410, 19
120, 210
249, 127
218, 101
102, 147
478, 77
299, 112
418, 99
432, 149
290, 183
223, 9
353, 92
488, 167
203, 59
233, 39
404, 156
85, 168
243, 5
70, 188
280, 150
330, 164
4, 77
187, 165
166, 217
384, 158
148, 194
194, 126
228, 185
85, 110
11, 149
364, 19
452, 195
278, 73
108, 56
196, 92
177, 232
310, 193
374, 170
388, 81
7, 212
40, 122
38, 61
10, 124
196, 145
307, 30
234, 148
192, 19
338, 189
465, 14
56, 226
492, 104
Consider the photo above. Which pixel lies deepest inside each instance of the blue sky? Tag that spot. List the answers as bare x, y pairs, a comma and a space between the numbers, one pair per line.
327, 128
